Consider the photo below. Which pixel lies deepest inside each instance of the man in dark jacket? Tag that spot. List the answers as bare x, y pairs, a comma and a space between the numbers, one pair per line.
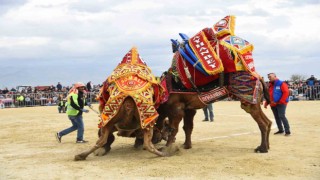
89, 86
59, 86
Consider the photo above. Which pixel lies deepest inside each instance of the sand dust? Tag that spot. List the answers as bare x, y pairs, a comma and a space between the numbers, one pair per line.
223, 149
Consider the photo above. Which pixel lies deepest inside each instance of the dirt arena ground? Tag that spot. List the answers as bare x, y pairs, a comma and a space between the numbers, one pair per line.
221, 150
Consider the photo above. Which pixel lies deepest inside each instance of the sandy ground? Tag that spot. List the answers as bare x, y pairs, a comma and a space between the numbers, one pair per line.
221, 150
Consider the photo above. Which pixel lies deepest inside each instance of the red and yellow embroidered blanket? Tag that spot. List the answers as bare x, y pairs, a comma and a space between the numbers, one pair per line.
244, 86
132, 77
205, 53
197, 77
217, 49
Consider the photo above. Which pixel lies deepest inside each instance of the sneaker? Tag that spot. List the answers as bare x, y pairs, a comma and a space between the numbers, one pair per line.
82, 141
58, 137
279, 132
205, 120
211, 120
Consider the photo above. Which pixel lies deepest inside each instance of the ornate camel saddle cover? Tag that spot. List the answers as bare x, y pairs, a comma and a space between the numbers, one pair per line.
224, 27
205, 54
245, 86
211, 51
132, 77
178, 69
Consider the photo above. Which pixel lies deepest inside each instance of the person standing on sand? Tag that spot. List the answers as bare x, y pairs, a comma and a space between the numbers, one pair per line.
208, 111
279, 97
75, 104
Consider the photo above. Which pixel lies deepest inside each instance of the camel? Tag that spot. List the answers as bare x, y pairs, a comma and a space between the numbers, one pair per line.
127, 105
184, 106
192, 83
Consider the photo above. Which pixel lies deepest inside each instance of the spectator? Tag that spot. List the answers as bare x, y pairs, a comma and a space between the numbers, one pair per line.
62, 106
208, 111
52, 88
59, 87
29, 89
89, 86
2, 106
64, 89
311, 80
27, 100
20, 100
279, 97
5, 91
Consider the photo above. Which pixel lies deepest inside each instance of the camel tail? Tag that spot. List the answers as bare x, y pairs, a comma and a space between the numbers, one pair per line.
265, 90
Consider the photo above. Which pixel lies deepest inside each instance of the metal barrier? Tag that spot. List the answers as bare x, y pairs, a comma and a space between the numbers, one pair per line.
38, 99
304, 93
51, 99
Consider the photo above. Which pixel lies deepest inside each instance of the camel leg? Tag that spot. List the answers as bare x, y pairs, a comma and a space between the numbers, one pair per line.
148, 144
269, 127
138, 142
107, 146
174, 120
102, 141
174, 126
188, 127
157, 135
263, 122
139, 139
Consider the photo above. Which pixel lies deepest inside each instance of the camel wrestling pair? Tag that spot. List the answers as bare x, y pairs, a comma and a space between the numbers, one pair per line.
210, 66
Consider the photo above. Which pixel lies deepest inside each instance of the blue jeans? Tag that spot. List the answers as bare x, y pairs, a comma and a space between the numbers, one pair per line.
210, 109
77, 124
279, 112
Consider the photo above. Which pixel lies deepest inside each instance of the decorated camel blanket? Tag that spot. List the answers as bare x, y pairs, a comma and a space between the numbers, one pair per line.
200, 59
244, 86
132, 77
212, 51
178, 69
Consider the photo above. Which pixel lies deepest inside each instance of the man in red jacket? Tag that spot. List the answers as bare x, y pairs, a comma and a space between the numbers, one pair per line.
279, 97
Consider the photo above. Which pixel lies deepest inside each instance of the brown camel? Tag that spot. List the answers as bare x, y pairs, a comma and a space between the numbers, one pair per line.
128, 120
127, 105
210, 66
183, 106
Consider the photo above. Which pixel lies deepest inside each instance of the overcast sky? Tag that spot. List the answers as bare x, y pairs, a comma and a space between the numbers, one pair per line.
43, 42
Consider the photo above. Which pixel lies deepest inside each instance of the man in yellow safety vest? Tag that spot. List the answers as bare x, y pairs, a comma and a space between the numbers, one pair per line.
75, 104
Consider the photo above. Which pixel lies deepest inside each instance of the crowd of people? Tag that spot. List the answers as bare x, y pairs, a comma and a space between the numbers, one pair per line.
24, 96
309, 89
47, 89
51, 95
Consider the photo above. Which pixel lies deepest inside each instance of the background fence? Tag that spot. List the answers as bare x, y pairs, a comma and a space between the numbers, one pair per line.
38, 99
304, 92
53, 98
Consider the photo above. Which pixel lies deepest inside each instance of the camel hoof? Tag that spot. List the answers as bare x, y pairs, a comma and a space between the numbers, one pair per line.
79, 157
138, 143
187, 146
260, 150
170, 150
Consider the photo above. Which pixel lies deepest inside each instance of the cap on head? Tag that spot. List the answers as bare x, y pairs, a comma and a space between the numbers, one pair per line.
79, 84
